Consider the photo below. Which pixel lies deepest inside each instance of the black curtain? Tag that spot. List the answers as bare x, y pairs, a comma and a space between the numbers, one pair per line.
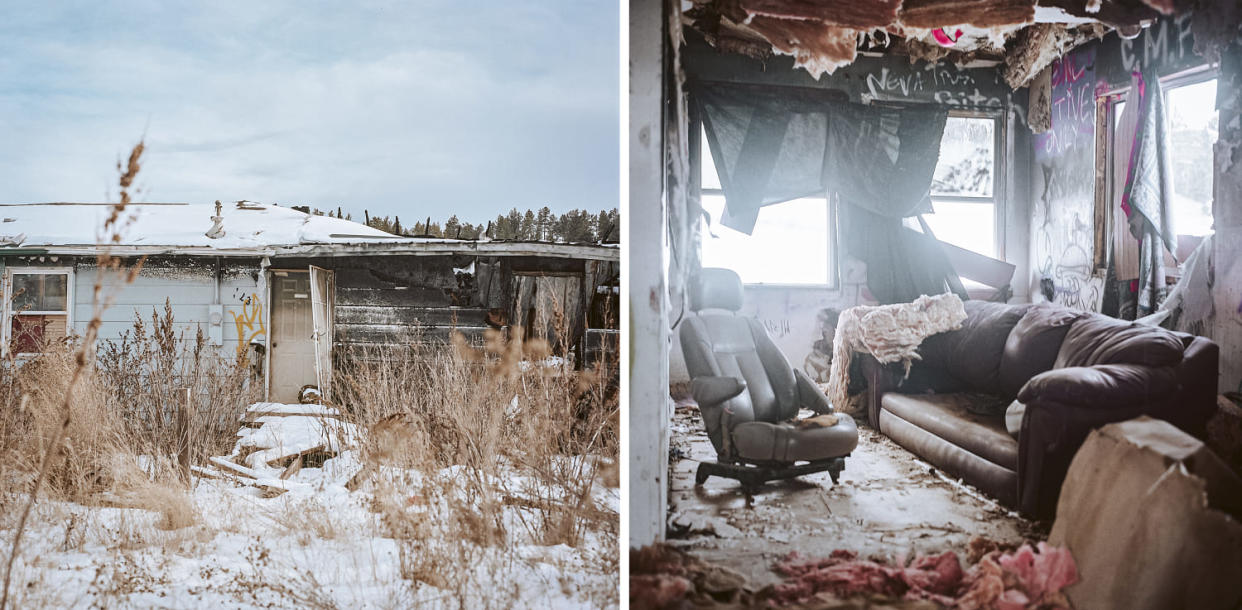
775, 144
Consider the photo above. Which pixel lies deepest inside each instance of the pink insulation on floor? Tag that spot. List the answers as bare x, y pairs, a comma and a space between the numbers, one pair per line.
1024, 578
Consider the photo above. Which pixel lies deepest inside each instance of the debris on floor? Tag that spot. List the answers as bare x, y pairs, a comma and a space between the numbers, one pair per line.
1154, 519
888, 503
1008, 581
277, 440
662, 576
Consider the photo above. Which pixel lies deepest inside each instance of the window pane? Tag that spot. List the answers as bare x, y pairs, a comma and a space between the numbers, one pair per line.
967, 158
966, 225
790, 244
40, 292
1193, 124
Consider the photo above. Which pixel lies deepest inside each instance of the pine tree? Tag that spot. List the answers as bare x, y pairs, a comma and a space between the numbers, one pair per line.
527, 229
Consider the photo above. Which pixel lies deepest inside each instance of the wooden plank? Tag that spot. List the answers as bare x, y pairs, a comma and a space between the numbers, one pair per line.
407, 315
397, 334
412, 297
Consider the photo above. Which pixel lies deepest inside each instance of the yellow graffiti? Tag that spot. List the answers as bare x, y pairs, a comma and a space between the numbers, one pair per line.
249, 323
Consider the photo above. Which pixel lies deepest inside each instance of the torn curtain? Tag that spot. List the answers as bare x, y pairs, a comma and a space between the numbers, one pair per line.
774, 144
1144, 220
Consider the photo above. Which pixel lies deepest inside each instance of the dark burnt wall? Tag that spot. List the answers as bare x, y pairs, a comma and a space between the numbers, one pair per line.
395, 300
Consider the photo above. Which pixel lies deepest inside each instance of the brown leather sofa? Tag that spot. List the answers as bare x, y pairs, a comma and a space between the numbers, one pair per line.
1070, 371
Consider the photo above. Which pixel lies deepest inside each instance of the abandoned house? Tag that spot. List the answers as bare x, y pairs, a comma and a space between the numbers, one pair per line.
292, 290
936, 279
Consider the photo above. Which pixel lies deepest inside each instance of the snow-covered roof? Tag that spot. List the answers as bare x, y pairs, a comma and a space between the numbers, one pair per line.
246, 226
248, 229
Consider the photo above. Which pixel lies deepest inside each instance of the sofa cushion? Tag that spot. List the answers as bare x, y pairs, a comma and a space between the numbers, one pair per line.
972, 354
1013, 419
1099, 339
1033, 344
996, 481
946, 416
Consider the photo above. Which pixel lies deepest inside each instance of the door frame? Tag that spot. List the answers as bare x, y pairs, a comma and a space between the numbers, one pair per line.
267, 314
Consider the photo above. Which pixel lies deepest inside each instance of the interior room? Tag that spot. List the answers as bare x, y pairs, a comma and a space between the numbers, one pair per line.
934, 303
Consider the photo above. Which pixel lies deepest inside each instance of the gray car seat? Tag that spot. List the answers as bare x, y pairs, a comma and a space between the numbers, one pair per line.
748, 394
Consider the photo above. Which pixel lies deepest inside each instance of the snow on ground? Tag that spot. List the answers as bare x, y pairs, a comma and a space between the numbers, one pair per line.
317, 545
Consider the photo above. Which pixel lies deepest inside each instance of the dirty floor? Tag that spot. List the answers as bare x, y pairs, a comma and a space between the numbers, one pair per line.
888, 502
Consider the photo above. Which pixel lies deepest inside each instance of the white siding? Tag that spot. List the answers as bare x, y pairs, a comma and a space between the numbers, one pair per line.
189, 289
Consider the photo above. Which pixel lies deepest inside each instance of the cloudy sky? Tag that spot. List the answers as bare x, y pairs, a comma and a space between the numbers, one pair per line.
430, 107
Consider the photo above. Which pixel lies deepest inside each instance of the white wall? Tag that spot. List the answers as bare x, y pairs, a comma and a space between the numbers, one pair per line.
645, 340
189, 288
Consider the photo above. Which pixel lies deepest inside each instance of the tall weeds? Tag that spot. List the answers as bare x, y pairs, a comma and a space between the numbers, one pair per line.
470, 452
110, 233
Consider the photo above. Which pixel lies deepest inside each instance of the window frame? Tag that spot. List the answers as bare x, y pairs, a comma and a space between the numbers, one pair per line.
831, 231
998, 199
7, 333
1106, 135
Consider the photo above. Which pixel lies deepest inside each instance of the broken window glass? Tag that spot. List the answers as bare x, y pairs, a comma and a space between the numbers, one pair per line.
964, 210
967, 158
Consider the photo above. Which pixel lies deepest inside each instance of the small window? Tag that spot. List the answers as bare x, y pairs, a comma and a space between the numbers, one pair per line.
964, 184
792, 243
38, 309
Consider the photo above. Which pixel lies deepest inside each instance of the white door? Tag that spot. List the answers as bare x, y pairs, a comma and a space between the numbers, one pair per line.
292, 358
322, 288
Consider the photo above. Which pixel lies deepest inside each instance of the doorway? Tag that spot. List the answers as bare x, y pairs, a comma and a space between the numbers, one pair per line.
292, 357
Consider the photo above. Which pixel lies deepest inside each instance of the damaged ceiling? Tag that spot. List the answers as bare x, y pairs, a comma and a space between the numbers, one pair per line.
823, 35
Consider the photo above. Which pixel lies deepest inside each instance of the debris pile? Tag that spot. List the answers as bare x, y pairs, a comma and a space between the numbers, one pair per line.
1006, 580
278, 440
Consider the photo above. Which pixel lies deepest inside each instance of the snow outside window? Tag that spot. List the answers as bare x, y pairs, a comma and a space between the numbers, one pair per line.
37, 307
964, 184
791, 243
1193, 128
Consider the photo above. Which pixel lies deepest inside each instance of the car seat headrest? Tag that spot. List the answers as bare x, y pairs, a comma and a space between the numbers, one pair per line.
716, 288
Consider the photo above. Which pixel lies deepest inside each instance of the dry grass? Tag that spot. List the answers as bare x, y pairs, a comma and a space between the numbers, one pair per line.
123, 435
471, 453
470, 456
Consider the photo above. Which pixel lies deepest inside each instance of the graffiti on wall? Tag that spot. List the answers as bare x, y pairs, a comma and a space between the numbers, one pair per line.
249, 323
942, 83
776, 327
1064, 209
1169, 41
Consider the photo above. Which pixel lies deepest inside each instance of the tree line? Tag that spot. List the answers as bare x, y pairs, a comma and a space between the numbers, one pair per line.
574, 226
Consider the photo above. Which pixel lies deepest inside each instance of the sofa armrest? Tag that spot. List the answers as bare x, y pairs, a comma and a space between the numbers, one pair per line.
1103, 386
809, 394
714, 391
1051, 434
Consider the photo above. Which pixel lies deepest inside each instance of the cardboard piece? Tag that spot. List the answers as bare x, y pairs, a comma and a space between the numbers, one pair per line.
1151, 516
